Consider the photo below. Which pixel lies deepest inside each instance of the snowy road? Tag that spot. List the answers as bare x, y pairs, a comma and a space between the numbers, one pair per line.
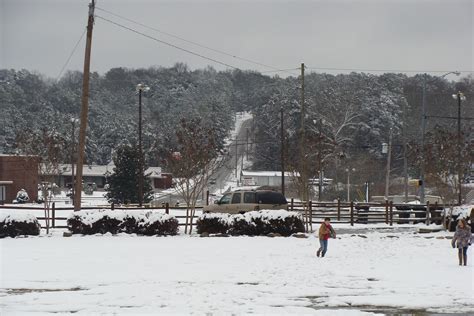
183, 275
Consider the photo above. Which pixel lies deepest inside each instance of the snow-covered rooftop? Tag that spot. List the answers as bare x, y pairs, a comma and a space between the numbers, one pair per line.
101, 170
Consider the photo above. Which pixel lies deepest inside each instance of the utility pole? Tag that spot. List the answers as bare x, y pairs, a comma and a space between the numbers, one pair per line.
84, 107
460, 97
140, 88
73, 145
282, 138
303, 175
405, 149
320, 162
236, 161
247, 151
140, 149
389, 158
423, 128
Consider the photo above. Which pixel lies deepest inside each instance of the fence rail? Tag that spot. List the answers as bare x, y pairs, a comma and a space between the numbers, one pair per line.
313, 212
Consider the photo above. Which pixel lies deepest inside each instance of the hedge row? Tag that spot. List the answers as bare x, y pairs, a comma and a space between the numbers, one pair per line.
18, 224
121, 221
255, 223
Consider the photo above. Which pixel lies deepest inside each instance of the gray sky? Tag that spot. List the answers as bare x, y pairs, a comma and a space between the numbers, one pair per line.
364, 34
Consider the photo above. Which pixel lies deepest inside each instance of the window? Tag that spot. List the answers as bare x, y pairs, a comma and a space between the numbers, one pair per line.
236, 198
270, 198
249, 197
225, 199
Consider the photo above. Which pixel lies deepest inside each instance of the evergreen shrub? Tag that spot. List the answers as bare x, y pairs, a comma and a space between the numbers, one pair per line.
12, 225
255, 223
91, 222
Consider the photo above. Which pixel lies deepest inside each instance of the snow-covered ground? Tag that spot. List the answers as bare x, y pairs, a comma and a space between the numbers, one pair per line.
128, 274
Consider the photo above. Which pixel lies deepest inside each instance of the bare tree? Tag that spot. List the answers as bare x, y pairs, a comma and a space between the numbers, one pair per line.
192, 162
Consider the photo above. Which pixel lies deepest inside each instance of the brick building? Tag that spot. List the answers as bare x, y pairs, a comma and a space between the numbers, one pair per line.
18, 172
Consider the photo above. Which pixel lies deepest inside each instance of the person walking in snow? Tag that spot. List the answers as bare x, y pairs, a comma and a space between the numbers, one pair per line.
462, 239
325, 232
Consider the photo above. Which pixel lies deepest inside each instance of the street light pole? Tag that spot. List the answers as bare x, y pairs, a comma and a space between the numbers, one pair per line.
349, 183
460, 97
140, 88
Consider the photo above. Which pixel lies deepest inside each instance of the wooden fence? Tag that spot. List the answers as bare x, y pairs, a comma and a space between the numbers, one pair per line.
368, 213
313, 212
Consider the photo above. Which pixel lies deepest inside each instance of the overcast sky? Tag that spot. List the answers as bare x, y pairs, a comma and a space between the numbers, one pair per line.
363, 34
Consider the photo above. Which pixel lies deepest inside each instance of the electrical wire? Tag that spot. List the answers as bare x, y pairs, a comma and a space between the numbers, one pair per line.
275, 69
70, 55
385, 70
166, 43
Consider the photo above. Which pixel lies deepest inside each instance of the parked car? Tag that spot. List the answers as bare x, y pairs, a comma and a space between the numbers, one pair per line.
241, 201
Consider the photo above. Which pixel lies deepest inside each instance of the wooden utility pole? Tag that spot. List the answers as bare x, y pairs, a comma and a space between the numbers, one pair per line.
389, 158
84, 108
303, 175
140, 149
282, 136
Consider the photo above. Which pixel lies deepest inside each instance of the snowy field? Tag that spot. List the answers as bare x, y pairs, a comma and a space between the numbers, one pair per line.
126, 274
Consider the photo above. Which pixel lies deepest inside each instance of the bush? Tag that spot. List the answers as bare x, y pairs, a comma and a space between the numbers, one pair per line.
158, 224
16, 224
213, 223
108, 221
242, 224
255, 223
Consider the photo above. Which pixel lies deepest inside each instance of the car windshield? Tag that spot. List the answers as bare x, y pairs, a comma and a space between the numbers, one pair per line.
225, 199
270, 198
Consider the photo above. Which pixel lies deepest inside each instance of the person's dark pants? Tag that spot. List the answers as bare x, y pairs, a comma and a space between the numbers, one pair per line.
462, 254
324, 246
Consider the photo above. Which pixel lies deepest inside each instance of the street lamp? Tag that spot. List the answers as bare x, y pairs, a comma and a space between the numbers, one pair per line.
140, 88
348, 170
73, 183
423, 128
460, 97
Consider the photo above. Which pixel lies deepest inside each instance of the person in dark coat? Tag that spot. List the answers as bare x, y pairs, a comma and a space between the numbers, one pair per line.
462, 239
325, 232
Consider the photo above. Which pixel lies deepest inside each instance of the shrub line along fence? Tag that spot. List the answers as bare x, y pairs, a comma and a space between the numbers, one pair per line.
313, 212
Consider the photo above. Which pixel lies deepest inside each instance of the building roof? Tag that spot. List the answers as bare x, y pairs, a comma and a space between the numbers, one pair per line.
102, 170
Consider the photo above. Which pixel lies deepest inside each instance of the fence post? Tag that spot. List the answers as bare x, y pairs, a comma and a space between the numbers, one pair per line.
427, 221
207, 197
352, 213
386, 211
338, 210
167, 208
391, 213
54, 215
311, 215
112, 206
291, 204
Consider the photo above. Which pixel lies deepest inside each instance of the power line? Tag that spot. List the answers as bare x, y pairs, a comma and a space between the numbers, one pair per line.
385, 70
275, 69
70, 56
166, 43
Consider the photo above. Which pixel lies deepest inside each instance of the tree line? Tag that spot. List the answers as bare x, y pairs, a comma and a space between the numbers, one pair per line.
348, 117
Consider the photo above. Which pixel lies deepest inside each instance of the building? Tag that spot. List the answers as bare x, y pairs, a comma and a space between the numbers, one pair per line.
264, 178
97, 175
16, 173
